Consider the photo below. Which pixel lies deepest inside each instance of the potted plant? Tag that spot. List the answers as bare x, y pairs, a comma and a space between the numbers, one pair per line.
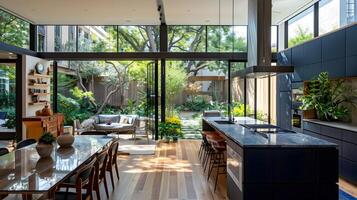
171, 128
44, 146
330, 99
164, 129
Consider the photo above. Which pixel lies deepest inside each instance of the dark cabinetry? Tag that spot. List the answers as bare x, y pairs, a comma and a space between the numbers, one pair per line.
335, 53
347, 145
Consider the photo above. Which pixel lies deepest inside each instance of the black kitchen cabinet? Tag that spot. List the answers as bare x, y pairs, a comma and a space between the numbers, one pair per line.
334, 45
346, 141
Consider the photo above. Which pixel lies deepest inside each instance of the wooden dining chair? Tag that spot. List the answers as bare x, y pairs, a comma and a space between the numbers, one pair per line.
100, 175
83, 179
112, 160
3, 151
25, 143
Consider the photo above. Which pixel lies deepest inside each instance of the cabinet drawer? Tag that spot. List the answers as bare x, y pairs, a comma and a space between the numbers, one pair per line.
348, 170
312, 127
349, 151
350, 137
331, 132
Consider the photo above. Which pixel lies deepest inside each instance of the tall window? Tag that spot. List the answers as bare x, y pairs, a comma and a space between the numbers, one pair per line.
58, 38
97, 39
41, 39
274, 38
351, 11
301, 27
13, 30
8, 95
329, 15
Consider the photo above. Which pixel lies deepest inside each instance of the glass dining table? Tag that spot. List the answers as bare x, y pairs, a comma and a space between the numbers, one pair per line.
24, 172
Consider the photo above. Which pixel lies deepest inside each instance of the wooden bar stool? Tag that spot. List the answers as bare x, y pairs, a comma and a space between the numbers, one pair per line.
212, 139
218, 160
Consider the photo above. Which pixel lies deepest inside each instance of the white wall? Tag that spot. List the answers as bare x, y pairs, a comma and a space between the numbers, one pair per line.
29, 64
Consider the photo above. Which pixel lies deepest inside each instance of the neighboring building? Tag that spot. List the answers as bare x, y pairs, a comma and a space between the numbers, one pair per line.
4, 82
63, 38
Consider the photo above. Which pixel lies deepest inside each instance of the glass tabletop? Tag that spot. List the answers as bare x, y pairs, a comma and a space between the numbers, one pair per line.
24, 171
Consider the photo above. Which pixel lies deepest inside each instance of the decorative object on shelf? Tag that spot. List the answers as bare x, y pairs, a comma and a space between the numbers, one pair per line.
44, 146
46, 111
65, 140
330, 99
39, 68
44, 167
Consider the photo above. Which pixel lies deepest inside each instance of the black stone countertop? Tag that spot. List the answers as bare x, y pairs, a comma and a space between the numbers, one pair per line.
246, 138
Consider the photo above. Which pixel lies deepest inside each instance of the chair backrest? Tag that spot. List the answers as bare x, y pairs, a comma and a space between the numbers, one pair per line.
113, 152
94, 133
3, 115
85, 176
102, 159
25, 143
3, 151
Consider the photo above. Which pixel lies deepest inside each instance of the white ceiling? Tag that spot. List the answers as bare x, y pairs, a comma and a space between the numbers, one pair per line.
143, 12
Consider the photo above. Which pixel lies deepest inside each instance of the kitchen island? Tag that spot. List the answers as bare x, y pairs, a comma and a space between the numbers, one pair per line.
266, 162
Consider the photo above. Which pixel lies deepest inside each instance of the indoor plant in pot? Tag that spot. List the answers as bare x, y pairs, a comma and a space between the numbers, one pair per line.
44, 146
171, 128
330, 99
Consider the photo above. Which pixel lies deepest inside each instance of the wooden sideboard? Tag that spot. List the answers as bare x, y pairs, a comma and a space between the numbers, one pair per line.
37, 125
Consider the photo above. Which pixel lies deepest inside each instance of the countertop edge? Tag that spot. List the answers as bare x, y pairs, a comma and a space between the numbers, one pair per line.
339, 125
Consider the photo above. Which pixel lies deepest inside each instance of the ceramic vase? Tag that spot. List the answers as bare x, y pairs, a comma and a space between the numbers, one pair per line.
65, 140
44, 150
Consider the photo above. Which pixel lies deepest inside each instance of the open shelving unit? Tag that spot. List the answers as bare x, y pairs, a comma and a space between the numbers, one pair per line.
39, 86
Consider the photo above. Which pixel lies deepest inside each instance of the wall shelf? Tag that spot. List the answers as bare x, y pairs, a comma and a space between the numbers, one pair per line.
38, 85
40, 94
36, 76
38, 103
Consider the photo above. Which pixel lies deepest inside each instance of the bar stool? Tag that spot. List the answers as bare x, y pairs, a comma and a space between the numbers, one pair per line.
204, 144
218, 160
213, 139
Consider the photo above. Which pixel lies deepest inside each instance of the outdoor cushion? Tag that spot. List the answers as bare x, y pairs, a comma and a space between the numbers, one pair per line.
123, 120
103, 119
88, 124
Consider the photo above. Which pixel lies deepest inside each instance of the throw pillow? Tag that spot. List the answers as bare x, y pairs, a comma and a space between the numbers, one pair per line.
123, 120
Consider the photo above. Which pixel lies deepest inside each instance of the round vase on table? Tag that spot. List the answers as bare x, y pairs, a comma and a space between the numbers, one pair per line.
65, 140
44, 150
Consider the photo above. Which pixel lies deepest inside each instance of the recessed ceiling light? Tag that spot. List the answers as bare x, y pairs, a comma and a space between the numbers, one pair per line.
11, 53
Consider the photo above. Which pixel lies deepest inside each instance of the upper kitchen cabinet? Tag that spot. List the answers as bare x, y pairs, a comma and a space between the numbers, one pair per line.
284, 57
297, 55
334, 54
351, 51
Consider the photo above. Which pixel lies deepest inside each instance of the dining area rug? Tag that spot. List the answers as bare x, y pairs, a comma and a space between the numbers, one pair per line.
139, 146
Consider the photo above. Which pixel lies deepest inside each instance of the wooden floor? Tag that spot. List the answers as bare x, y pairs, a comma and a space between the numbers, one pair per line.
173, 173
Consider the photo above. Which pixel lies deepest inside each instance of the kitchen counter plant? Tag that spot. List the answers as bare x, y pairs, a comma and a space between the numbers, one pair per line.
331, 100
